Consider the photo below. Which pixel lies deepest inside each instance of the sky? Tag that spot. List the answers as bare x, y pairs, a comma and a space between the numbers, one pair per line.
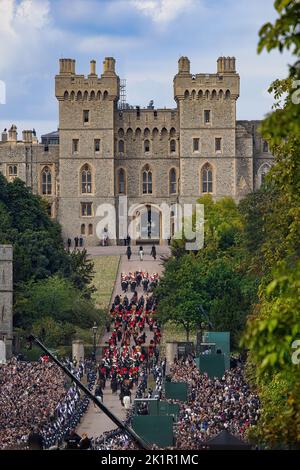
146, 37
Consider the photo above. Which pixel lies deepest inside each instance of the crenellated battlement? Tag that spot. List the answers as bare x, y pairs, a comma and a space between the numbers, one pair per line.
225, 84
77, 87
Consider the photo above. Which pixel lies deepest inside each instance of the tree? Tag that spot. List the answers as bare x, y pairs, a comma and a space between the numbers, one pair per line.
54, 298
179, 295
274, 325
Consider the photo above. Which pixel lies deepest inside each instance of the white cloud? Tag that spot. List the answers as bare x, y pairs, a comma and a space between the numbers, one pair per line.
105, 43
21, 29
163, 11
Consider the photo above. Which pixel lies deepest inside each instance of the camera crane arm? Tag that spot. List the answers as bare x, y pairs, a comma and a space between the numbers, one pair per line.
141, 443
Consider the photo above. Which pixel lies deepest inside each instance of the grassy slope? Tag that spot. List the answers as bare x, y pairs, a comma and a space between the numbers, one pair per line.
106, 268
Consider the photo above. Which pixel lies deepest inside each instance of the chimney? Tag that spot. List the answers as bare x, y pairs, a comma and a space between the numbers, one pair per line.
184, 66
226, 65
4, 136
93, 68
27, 136
12, 133
109, 66
67, 66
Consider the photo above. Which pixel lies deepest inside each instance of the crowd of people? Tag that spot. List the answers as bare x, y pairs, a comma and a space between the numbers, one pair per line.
214, 405
133, 280
37, 398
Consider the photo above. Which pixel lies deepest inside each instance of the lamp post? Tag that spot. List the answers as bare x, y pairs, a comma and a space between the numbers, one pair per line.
95, 328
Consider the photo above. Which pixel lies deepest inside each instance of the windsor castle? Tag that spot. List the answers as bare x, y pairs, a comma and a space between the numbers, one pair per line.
103, 150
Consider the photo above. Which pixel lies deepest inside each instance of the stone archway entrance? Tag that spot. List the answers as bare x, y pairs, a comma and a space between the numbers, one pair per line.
148, 224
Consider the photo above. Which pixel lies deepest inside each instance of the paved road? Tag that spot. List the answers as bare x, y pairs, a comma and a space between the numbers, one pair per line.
95, 422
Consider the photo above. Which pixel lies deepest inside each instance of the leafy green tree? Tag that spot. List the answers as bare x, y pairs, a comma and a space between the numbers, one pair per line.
274, 325
54, 298
53, 333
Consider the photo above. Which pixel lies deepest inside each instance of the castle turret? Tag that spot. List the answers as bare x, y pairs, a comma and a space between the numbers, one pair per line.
67, 66
109, 64
184, 66
27, 136
226, 65
12, 133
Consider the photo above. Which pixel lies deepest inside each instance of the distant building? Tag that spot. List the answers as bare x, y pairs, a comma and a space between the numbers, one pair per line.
151, 155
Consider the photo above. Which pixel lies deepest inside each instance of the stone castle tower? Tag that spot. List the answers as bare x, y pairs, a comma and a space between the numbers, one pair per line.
6, 297
153, 156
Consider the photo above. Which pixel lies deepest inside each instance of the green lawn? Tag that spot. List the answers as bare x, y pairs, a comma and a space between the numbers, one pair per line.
106, 268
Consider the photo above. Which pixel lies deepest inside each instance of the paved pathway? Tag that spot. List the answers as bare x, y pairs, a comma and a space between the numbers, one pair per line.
95, 422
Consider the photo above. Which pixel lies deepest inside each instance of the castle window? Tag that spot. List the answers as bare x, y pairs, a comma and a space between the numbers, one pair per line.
227, 95
46, 148
75, 145
12, 171
46, 181
207, 179
265, 146
206, 116
262, 173
86, 116
173, 181
196, 145
138, 112
90, 232
86, 209
218, 144
147, 180
173, 146
155, 114
86, 180
121, 146
121, 181
97, 145
82, 229
146, 145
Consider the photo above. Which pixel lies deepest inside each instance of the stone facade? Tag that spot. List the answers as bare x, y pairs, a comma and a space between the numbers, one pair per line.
6, 297
150, 155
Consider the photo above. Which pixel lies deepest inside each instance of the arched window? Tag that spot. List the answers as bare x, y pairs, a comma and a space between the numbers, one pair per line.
86, 180
262, 173
227, 95
207, 179
90, 230
46, 181
186, 94
121, 146
82, 229
147, 180
173, 181
92, 95
172, 145
147, 145
66, 95
12, 171
121, 181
